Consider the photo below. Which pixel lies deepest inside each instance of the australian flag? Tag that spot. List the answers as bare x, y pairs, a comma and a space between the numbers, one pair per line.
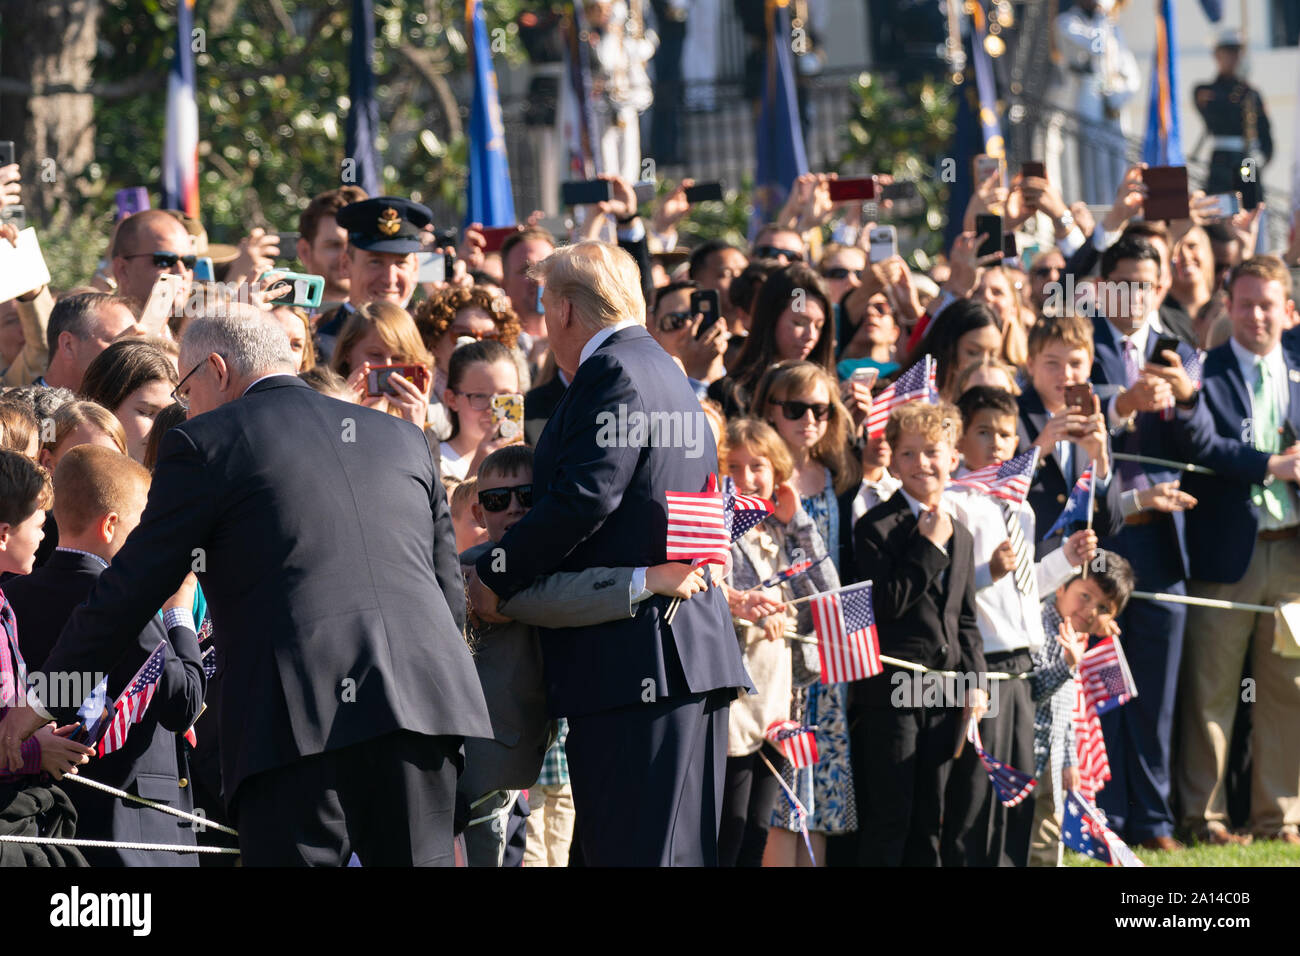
93, 712
793, 571
1011, 785
1084, 831
1076, 509
1107, 681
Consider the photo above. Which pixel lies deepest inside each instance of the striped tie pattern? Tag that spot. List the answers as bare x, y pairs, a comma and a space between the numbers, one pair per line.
1024, 561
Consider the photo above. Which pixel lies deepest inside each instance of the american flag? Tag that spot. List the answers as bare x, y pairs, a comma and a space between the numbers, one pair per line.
793, 571
1107, 681
1011, 785
1076, 509
1090, 747
916, 383
845, 626
129, 708
1008, 479
1084, 830
702, 524
797, 743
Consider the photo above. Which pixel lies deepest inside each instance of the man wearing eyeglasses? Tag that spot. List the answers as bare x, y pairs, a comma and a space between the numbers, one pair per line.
676, 327
148, 244
784, 245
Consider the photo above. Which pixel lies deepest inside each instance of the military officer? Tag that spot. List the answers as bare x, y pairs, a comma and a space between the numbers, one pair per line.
1236, 123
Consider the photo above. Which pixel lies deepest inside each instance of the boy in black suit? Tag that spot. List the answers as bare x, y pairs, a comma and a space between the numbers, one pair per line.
920, 561
99, 497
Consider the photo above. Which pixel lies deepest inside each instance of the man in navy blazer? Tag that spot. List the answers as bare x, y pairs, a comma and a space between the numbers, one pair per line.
1149, 402
321, 536
1244, 546
646, 697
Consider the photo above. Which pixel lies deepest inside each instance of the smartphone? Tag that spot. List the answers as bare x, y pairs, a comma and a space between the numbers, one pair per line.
990, 226
862, 187
7, 152
162, 299
541, 309
288, 245
305, 290
1226, 205
586, 193
1033, 168
433, 267
1010, 248
203, 269
377, 379
449, 262
1252, 193
1080, 397
494, 237
644, 190
1166, 192
904, 191
867, 376
704, 192
508, 415
986, 166
130, 201
884, 243
706, 302
16, 214
1166, 343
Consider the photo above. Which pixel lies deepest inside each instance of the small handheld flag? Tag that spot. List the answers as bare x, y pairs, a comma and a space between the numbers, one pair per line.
1077, 508
793, 571
917, 383
702, 525
1090, 747
1008, 480
130, 706
1084, 830
1107, 681
1011, 785
796, 742
845, 625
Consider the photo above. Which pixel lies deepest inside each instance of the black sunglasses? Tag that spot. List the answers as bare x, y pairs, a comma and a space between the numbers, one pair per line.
498, 499
843, 272
776, 252
165, 260
1042, 272
794, 411
672, 321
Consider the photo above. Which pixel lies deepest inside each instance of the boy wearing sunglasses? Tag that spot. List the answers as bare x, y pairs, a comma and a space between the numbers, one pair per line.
509, 658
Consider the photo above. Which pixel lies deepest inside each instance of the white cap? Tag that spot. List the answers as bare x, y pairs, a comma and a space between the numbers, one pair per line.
1229, 37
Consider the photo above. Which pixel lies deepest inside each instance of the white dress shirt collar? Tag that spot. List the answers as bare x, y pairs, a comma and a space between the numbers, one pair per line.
599, 338
264, 378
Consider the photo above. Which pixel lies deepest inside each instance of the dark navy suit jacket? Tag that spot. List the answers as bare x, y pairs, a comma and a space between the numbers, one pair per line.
1221, 529
602, 504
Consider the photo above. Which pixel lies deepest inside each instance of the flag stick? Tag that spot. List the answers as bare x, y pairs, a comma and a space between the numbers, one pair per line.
1165, 462
1204, 602
1092, 497
809, 597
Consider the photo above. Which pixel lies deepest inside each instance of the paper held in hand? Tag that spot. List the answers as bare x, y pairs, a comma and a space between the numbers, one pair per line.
22, 267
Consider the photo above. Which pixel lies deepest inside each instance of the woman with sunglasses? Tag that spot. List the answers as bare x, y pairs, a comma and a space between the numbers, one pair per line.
801, 401
842, 268
455, 316
477, 373
134, 381
792, 322
380, 333
874, 338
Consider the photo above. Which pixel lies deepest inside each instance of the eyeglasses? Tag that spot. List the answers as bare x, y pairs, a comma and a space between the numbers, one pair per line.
1043, 272
165, 260
776, 252
479, 401
794, 411
184, 400
498, 499
672, 321
463, 334
843, 272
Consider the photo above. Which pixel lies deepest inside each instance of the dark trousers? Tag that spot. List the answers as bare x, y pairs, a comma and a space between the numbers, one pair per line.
391, 800
647, 781
977, 829
750, 793
902, 757
1138, 734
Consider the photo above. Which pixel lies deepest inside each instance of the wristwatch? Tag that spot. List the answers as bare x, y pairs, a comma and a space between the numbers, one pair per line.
1066, 220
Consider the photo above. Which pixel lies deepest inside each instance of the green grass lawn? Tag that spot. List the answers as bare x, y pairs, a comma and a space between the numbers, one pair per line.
1260, 853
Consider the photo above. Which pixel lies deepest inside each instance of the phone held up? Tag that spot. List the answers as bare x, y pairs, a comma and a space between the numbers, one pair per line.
377, 379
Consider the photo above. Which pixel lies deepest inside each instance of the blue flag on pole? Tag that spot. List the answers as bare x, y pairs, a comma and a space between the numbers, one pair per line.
1164, 142
363, 111
1213, 9
779, 146
491, 201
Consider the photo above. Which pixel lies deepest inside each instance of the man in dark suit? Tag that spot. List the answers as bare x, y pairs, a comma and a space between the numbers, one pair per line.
1150, 410
379, 261
321, 535
646, 698
100, 494
921, 563
1242, 543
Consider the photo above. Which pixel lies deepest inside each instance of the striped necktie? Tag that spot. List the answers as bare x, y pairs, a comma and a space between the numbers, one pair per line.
1024, 560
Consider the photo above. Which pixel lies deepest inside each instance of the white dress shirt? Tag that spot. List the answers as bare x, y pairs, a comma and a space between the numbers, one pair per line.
872, 493
1281, 384
599, 338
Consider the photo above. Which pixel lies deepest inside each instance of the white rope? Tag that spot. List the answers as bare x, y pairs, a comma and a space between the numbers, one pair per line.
191, 817
115, 845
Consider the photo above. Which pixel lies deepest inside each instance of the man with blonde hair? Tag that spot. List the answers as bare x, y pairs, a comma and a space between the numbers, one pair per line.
646, 698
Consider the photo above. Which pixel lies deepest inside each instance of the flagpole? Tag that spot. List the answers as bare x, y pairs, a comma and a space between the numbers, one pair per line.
1167, 463
809, 597
1092, 498
1204, 602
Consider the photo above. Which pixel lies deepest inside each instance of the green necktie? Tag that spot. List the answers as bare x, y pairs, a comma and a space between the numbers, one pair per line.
1271, 497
